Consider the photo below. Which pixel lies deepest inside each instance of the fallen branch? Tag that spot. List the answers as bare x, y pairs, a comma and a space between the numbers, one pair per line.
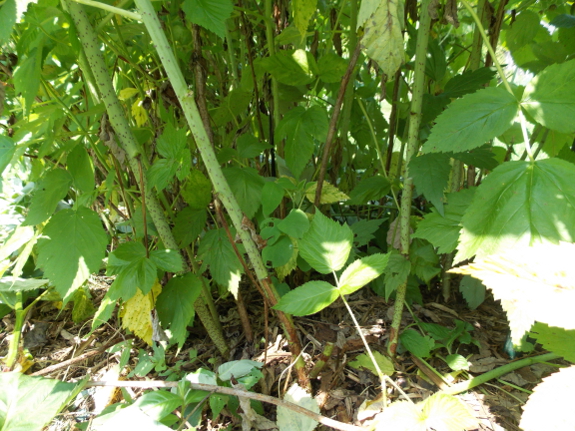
234, 392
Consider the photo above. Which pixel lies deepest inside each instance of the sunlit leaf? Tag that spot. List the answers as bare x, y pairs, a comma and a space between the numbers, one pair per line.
361, 272
210, 14
309, 298
51, 189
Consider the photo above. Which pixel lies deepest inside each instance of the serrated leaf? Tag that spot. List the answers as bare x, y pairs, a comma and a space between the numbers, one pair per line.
396, 273
7, 147
247, 187
27, 76
518, 204
197, 191
71, 248
291, 67
558, 410
331, 67
383, 36
369, 189
80, 166
482, 158
557, 340
172, 142
302, 11
457, 362
416, 343
16, 284
83, 306
471, 121
161, 173
175, 305
550, 97
136, 313
249, 146
287, 420
188, 225
443, 232
52, 188
446, 412
210, 14
326, 245
8, 17
139, 113
468, 82
424, 260
309, 298
296, 224
135, 270
430, 173
329, 194
533, 283
563, 21
361, 272
364, 231
523, 30
272, 195
217, 252
473, 290
168, 260
363, 360
127, 93
300, 127
237, 369
18, 392
279, 253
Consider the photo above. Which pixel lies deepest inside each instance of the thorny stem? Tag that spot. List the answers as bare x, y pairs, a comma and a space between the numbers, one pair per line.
130, 146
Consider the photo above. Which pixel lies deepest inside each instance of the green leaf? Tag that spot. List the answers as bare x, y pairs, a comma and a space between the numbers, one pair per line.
210, 14
168, 260
331, 67
443, 231
83, 306
364, 361
309, 298
161, 173
237, 369
175, 305
369, 189
471, 121
217, 252
158, 404
482, 158
468, 82
302, 11
457, 362
134, 270
249, 146
172, 142
563, 21
72, 247
416, 343
446, 412
290, 67
197, 191
523, 30
296, 224
279, 253
550, 97
299, 127
361, 272
430, 173
246, 185
424, 260
518, 204
52, 188
8, 17
7, 147
383, 36
21, 394
79, 165
557, 340
272, 195
472, 290
188, 225
364, 231
366, 9
27, 76
16, 284
397, 271
287, 420
326, 245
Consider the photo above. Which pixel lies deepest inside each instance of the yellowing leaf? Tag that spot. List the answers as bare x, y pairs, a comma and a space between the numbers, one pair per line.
329, 194
533, 283
139, 113
136, 313
127, 93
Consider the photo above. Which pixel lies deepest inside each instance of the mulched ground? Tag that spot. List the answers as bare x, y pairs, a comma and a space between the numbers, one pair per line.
67, 351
